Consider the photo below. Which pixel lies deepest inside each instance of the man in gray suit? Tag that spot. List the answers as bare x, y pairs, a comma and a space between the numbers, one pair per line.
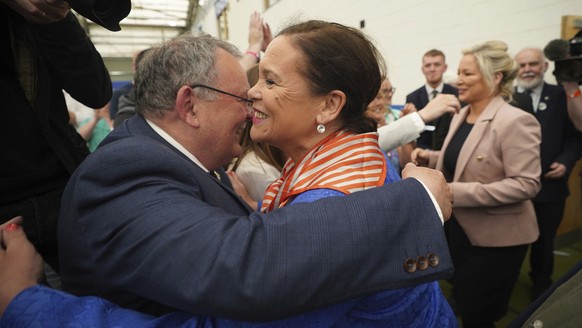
150, 222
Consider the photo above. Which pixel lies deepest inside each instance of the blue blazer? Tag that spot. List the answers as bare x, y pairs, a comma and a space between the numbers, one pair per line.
146, 228
420, 306
432, 139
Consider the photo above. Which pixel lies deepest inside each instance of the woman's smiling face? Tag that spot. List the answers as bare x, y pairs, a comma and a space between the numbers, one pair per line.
471, 84
285, 108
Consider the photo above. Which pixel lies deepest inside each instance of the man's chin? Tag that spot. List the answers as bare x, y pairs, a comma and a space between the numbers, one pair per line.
529, 84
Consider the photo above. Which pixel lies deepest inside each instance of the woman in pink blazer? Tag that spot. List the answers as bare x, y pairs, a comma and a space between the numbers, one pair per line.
491, 159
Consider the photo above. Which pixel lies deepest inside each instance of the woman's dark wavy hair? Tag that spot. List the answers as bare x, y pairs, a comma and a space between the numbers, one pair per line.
341, 58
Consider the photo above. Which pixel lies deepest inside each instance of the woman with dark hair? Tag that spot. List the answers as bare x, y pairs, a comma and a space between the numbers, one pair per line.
315, 82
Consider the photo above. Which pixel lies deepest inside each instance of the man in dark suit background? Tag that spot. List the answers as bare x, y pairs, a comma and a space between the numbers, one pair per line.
146, 226
560, 148
433, 67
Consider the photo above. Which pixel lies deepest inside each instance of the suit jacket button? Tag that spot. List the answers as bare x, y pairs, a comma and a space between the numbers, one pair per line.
422, 262
433, 259
410, 265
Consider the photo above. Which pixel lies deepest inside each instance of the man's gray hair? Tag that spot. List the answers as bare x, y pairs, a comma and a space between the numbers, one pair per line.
185, 60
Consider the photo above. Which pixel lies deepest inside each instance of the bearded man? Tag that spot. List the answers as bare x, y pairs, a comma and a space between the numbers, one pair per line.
560, 148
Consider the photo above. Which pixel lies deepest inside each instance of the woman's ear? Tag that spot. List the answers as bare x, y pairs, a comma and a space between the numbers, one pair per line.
497, 78
186, 101
334, 103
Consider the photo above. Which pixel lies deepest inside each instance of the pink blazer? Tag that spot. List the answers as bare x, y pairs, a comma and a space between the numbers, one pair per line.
497, 173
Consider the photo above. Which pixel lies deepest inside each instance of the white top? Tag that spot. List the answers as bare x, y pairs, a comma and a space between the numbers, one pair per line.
429, 90
176, 144
256, 175
82, 112
400, 132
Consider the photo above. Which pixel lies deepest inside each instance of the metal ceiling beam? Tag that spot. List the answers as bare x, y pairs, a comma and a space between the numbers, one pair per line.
193, 8
122, 40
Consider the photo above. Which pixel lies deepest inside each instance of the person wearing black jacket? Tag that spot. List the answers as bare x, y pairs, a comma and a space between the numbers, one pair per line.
433, 67
43, 50
560, 148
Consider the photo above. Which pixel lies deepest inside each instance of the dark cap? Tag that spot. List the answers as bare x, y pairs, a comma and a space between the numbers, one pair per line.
107, 13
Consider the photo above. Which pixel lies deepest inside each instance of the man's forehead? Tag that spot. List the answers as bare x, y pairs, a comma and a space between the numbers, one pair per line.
437, 58
529, 61
230, 72
529, 55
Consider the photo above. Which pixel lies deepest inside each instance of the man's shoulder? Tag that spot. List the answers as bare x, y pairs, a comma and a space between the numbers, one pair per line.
508, 114
552, 89
134, 146
416, 93
449, 89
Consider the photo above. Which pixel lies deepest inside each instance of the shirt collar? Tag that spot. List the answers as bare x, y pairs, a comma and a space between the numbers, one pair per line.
439, 88
537, 90
175, 144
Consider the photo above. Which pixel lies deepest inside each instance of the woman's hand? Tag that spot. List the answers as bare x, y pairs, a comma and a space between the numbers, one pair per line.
420, 157
407, 109
20, 264
241, 190
39, 11
439, 106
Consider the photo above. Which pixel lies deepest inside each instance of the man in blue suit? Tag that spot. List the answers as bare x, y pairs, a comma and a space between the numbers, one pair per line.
150, 222
561, 147
433, 68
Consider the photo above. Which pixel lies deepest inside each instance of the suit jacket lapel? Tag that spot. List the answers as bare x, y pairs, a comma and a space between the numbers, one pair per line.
476, 134
545, 99
423, 98
138, 126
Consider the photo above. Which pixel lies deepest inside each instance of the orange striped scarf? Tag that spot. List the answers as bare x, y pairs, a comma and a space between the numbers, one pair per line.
344, 161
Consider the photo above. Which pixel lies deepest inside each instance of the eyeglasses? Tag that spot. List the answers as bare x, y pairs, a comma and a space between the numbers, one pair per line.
247, 102
377, 110
390, 91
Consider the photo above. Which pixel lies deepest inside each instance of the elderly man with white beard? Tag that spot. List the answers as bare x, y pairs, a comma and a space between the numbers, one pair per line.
560, 148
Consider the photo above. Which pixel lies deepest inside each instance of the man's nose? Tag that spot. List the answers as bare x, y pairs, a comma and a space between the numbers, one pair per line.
250, 112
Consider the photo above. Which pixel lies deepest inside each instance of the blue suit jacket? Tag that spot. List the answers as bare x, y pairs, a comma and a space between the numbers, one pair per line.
142, 226
561, 142
432, 139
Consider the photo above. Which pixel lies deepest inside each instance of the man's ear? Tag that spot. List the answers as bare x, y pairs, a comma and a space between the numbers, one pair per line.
186, 101
334, 103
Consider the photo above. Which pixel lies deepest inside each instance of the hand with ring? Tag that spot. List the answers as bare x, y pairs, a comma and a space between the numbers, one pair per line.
39, 11
20, 265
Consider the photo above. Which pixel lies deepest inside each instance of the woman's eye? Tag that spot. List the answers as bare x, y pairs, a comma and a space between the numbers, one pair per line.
269, 82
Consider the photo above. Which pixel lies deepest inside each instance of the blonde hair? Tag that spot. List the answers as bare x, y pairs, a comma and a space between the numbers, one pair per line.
492, 58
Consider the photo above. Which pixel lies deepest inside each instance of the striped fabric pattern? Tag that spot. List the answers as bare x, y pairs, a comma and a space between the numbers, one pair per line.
344, 161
